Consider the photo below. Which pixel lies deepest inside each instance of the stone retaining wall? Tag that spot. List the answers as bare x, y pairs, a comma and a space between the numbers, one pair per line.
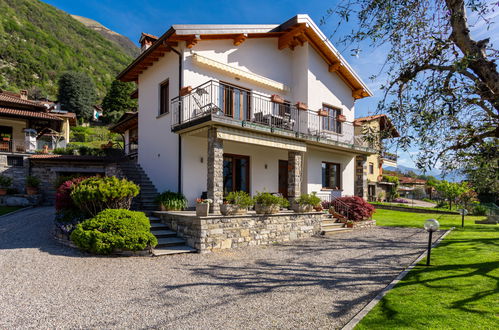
364, 224
215, 233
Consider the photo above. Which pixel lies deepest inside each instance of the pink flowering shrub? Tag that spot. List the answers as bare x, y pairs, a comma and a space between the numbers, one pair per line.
63, 200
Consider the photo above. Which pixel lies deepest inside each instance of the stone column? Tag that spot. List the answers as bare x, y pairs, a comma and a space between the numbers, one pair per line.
215, 170
361, 176
294, 176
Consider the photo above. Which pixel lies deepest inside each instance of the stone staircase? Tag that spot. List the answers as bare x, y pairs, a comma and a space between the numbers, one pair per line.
331, 226
146, 200
168, 242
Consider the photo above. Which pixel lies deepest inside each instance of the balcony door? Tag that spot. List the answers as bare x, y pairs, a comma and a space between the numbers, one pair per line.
236, 170
235, 101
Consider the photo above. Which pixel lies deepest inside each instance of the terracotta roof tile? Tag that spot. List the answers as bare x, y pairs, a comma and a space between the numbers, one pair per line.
12, 98
28, 113
69, 157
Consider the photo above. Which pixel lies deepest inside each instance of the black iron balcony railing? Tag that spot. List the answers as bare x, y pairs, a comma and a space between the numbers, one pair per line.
224, 101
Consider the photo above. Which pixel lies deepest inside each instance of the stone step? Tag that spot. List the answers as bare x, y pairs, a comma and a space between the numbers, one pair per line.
332, 231
329, 220
162, 251
164, 233
157, 226
170, 241
332, 225
154, 219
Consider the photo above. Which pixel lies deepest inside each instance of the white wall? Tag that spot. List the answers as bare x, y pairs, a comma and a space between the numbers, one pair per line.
327, 87
313, 170
261, 178
158, 146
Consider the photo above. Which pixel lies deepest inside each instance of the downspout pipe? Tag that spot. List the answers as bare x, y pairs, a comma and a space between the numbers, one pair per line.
180, 84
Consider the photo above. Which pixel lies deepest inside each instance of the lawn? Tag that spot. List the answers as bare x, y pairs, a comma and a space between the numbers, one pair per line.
8, 209
455, 209
459, 290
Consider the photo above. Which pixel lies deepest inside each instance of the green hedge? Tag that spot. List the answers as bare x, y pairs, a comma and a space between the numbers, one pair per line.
96, 194
114, 229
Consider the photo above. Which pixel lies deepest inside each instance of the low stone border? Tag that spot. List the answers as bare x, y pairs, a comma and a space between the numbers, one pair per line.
364, 224
411, 209
364, 311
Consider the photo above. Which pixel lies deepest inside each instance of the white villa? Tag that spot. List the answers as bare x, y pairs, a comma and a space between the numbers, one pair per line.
248, 107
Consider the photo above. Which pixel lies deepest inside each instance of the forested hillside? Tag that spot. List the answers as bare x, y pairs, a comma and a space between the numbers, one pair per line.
38, 42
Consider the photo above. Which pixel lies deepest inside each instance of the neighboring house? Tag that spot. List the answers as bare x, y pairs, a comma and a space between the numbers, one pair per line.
247, 107
379, 128
26, 126
414, 188
128, 127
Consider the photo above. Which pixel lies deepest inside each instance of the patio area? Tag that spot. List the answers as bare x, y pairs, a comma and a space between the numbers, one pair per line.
308, 284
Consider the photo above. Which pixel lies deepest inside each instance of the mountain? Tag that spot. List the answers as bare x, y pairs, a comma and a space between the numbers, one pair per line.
453, 176
38, 42
123, 42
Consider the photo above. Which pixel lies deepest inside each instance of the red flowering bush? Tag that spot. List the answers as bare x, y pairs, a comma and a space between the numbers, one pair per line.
63, 200
359, 209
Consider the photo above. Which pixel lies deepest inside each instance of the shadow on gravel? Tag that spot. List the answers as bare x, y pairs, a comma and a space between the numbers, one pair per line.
358, 278
32, 229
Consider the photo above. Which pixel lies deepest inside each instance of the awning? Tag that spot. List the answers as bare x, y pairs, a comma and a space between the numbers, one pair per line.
230, 134
245, 75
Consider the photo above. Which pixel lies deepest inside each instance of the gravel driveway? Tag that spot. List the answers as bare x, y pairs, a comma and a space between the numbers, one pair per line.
314, 283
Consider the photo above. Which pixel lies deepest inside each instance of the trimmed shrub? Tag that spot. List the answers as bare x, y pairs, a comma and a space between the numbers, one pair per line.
5, 181
111, 230
240, 198
172, 201
32, 181
268, 199
95, 194
63, 200
359, 209
309, 199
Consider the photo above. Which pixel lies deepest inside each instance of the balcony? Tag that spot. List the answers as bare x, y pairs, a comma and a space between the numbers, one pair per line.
389, 159
228, 105
16, 146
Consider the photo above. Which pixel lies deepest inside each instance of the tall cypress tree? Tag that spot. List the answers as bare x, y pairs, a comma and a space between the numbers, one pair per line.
117, 101
77, 93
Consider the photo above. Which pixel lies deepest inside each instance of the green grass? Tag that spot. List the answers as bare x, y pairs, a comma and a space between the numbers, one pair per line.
459, 290
8, 209
409, 206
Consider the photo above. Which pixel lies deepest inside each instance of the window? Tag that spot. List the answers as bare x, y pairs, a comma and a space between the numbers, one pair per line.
331, 176
371, 168
331, 122
235, 101
236, 173
164, 97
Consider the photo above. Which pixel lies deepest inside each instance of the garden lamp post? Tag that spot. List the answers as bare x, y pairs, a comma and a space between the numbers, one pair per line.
430, 226
463, 212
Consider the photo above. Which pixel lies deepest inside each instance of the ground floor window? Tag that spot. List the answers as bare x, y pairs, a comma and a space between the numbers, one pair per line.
371, 168
236, 173
331, 175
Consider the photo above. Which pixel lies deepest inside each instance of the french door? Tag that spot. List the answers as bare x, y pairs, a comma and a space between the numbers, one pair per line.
283, 178
236, 170
235, 102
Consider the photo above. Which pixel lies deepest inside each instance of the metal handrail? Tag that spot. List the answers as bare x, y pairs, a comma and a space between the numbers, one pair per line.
218, 99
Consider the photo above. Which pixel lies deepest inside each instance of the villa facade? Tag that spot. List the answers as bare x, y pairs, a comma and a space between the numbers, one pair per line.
248, 107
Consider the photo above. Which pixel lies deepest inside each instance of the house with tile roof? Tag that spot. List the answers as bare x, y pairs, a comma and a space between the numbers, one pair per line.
247, 108
379, 128
27, 126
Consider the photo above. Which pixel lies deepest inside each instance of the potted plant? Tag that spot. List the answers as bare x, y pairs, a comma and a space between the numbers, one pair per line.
202, 207
322, 113
236, 202
5, 183
267, 203
172, 201
32, 184
341, 118
301, 106
349, 223
276, 99
306, 203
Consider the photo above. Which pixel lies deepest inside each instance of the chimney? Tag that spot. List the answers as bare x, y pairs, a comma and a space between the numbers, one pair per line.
23, 94
146, 41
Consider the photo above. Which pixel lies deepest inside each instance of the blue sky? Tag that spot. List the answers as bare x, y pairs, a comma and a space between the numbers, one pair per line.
132, 17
